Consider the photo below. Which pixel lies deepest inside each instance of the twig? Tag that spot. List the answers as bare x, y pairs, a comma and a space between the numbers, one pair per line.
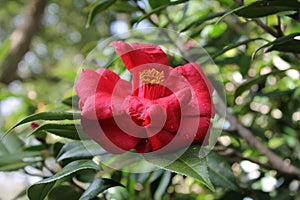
274, 160
266, 28
233, 154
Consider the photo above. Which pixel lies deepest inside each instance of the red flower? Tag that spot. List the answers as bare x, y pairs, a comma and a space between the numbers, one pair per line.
34, 125
163, 109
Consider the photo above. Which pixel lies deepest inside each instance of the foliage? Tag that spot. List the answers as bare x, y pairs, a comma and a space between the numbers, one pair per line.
256, 49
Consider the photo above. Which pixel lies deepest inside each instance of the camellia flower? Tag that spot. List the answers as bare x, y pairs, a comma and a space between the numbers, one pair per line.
163, 109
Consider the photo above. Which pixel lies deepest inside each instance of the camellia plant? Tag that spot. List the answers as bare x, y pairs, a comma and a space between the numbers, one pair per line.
163, 109
133, 105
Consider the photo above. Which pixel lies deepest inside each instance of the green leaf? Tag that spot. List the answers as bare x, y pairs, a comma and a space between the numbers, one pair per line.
282, 43
158, 9
276, 94
70, 169
124, 7
11, 143
17, 157
15, 166
70, 101
3, 149
80, 150
63, 130
98, 186
188, 164
200, 21
155, 4
265, 8
232, 46
63, 192
247, 85
4, 49
46, 116
39, 190
220, 172
295, 16
289, 46
98, 8
86, 176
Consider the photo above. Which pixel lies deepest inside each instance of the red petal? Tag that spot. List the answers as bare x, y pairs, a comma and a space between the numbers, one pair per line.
203, 131
165, 142
144, 146
198, 132
99, 92
202, 89
86, 84
101, 105
173, 105
160, 139
89, 82
137, 54
111, 82
108, 135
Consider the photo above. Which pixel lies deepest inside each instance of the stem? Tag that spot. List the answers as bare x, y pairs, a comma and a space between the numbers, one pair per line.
266, 28
274, 160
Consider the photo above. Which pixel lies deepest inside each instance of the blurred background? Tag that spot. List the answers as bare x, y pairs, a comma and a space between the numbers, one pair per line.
43, 44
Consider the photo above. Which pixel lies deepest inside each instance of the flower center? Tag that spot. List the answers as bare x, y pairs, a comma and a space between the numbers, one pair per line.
151, 82
152, 76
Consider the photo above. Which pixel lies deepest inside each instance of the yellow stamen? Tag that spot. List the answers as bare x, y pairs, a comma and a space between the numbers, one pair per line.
152, 76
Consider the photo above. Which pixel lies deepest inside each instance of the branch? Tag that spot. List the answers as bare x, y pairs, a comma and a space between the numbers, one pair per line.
267, 28
274, 160
236, 156
21, 39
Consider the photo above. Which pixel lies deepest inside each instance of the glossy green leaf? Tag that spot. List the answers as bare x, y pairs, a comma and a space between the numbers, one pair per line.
64, 192
200, 21
70, 169
289, 46
188, 164
3, 150
160, 8
97, 187
220, 172
155, 4
4, 49
11, 143
17, 157
86, 176
97, 9
265, 8
46, 116
275, 94
283, 43
123, 7
247, 85
39, 190
63, 130
80, 150
232, 46
295, 16
15, 166
70, 101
